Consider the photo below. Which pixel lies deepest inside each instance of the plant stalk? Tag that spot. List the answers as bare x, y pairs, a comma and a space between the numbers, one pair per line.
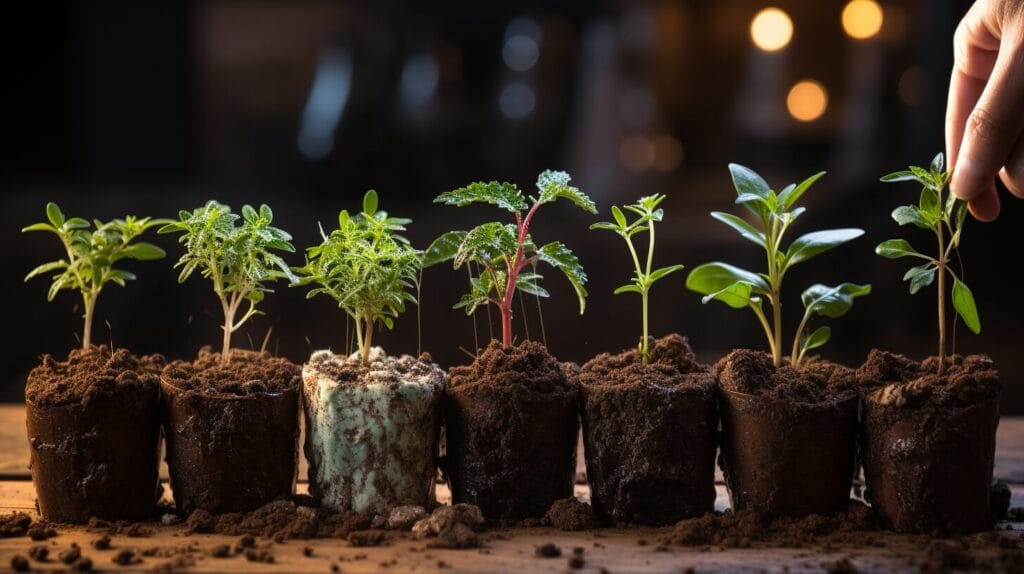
942, 301
90, 306
367, 341
645, 348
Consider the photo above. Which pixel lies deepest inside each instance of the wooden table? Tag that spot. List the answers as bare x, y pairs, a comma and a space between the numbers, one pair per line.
511, 550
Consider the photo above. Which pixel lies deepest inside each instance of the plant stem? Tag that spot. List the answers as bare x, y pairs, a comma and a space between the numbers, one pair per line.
229, 320
794, 357
775, 337
90, 306
942, 300
367, 340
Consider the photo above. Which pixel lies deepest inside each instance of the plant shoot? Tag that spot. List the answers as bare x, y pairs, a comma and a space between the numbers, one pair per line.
503, 252
366, 267
236, 253
943, 214
91, 255
738, 288
644, 275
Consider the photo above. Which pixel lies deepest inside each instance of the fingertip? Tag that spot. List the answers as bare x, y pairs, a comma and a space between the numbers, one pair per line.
965, 183
985, 207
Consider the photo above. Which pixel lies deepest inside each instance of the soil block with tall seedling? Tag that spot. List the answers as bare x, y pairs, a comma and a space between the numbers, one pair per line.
231, 418
94, 419
511, 415
649, 414
929, 436
788, 428
372, 419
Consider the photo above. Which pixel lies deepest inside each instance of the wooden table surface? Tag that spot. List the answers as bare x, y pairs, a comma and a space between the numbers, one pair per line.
511, 550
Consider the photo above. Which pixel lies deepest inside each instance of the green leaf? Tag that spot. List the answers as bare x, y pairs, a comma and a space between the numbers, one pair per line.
899, 176
443, 248
910, 214
746, 230
929, 204
530, 287
832, 301
370, 202
46, 268
659, 273
248, 213
816, 339
620, 218
963, 302
555, 184
628, 289
938, 162
747, 181
143, 252
897, 248
487, 242
558, 255
815, 243
920, 277
737, 295
54, 214
711, 278
791, 195
504, 195
39, 227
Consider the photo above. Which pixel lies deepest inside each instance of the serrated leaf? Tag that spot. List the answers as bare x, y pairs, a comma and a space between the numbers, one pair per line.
920, 277
746, 230
443, 248
789, 196
486, 242
817, 242
504, 195
561, 257
963, 302
555, 184
832, 301
897, 248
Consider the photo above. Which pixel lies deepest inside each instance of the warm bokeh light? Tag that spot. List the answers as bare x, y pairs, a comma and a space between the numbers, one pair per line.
807, 101
668, 153
771, 29
636, 153
862, 19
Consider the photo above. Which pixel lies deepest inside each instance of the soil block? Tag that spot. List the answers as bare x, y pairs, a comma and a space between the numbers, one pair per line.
650, 434
232, 430
928, 442
511, 429
372, 430
94, 431
788, 434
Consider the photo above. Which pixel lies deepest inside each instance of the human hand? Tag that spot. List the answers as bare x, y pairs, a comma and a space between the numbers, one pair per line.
985, 110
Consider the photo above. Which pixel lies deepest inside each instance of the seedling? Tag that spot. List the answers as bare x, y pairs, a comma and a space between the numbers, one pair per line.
739, 288
944, 215
644, 276
502, 252
236, 254
366, 267
91, 256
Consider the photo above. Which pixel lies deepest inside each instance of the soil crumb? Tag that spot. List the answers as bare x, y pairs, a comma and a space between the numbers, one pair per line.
740, 529
20, 564
248, 372
39, 553
91, 375
404, 517
900, 381
547, 550
527, 364
672, 364
453, 526
571, 514
814, 381
999, 500
279, 520
368, 538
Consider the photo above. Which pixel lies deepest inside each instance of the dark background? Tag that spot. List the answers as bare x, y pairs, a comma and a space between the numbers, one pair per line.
149, 107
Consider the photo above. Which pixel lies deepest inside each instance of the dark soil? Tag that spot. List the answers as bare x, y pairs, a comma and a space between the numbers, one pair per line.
92, 375
248, 373
548, 550
813, 381
14, 524
281, 519
650, 434
511, 429
451, 527
928, 442
232, 430
571, 514
745, 528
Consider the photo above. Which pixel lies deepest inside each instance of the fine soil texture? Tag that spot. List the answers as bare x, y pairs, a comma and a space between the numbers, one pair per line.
94, 431
788, 434
650, 434
372, 430
928, 441
511, 427
232, 430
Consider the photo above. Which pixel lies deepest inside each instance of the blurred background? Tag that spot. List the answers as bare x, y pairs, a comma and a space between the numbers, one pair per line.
150, 107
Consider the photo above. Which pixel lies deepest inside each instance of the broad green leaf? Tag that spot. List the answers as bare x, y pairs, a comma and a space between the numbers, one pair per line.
558, 255
910, 214
144, 252
662, 272
504, 195
54, 214
747, 181
832, 301
712, 278
817, 242
746, 230
628, 289
619, 217
248, 213
816, 339
756, 204
370, 201
920, 276
897, 248
963, 302
531, 287
737, 295
791, 195
443, 248
929, 204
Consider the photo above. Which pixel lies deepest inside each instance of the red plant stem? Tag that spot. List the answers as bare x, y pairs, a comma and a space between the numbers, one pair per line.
515, 267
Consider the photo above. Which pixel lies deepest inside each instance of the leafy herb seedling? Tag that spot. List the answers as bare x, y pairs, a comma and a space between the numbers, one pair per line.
502, 252
236, 254
943, 214
644, 276
739, 288
366, 267
92, 254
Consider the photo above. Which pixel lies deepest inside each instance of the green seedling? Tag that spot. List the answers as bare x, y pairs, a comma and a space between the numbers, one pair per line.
366, 266
644, 275
943, 214
236, 253
91, 256
503, 252
738, 288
